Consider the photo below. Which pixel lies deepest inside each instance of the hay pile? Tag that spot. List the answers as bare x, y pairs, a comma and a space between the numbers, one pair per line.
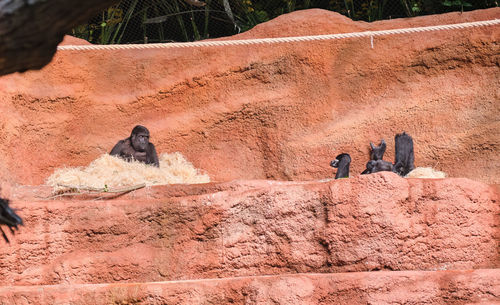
114, 172
426, 172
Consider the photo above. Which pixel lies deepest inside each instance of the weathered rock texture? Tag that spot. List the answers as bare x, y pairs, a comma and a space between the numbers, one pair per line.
275, 112
279, 111
407, 287
373, 222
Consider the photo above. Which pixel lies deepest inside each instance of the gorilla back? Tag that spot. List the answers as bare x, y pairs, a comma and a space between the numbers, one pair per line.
137, 147
374, 166
405, 158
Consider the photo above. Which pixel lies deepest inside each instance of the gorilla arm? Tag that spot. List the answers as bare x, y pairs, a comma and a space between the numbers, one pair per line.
152, 156
117, 149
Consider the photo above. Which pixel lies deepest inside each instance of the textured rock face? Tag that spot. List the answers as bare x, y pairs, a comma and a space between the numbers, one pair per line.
268, 111
275, 112
408, 287
370, 223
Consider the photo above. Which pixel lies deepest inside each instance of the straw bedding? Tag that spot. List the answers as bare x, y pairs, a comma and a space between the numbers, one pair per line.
112, 172
426, 172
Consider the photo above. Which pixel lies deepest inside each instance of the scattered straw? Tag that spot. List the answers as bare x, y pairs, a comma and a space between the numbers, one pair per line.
426, 172
112, 172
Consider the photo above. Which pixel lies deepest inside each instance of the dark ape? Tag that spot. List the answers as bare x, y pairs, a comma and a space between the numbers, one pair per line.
137, 147
376, 164
405, 157
8, 217
342, 163
404, 162
377, 152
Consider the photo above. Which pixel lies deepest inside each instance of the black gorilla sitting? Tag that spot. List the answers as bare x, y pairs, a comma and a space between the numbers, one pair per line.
405, 157
341, 162
8, 217
137, 147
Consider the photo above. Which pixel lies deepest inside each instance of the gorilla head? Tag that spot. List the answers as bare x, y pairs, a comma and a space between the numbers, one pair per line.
341, 162
140, 138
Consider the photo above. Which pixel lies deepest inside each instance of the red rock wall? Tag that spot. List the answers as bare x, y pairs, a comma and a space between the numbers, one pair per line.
408, 287
369, 223
279, 111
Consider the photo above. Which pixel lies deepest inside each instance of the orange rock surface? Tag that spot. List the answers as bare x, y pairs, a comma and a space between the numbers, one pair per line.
275, 112
246, 228
280, 111
406, 287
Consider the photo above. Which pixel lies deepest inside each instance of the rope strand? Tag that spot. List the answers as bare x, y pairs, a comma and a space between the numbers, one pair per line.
280, 39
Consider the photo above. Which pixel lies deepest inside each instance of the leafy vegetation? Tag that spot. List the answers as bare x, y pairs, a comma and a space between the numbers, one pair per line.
147, 21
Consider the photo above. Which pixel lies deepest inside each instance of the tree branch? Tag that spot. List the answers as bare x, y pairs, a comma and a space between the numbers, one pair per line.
31, 30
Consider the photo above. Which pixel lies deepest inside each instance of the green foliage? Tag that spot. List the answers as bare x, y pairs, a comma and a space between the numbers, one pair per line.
456, 3
143, 21
412, 7
459, 3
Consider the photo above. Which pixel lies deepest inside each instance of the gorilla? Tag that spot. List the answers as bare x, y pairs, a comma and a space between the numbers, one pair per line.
405, 158
341, 162
137, 147
404, 162
377, 152
8, 217
376, 164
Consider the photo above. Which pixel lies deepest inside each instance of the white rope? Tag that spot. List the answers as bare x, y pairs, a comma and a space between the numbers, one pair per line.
281, 39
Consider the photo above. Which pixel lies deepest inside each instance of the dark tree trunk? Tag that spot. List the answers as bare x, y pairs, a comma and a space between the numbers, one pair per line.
31, 30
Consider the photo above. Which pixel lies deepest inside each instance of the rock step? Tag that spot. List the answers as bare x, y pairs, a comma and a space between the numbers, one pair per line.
382, 287
366, 223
